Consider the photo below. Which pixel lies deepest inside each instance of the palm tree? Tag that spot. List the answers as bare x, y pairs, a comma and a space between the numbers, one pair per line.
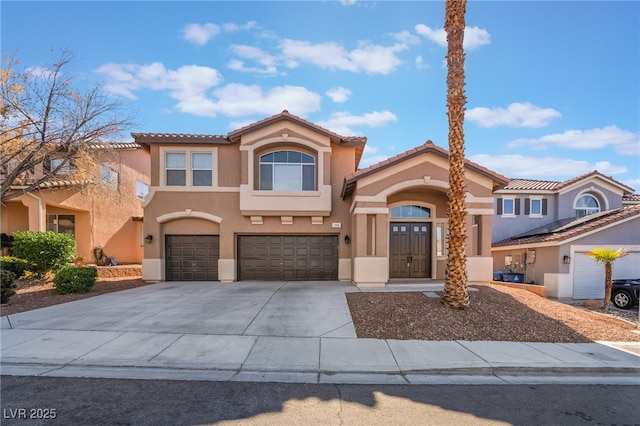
455, 293
606, 256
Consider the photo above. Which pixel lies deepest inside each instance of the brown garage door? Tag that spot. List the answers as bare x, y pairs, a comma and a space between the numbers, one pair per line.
288, 257
192, 257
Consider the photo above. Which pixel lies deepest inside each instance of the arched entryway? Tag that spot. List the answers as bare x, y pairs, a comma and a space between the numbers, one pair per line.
410, 236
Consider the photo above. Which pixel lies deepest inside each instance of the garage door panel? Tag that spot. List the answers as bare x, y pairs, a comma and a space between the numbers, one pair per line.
288, 257
588, 276
192, 257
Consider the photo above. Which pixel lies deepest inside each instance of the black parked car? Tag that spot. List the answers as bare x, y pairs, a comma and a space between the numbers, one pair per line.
625, 293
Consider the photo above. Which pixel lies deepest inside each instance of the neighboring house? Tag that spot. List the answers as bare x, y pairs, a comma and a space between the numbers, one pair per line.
283, 199
104, 210
543, 229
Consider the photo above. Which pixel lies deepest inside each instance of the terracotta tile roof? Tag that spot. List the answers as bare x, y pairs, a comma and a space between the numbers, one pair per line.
518, 184
287, 116
565, 231
62, 183
427, 147
532, 184
115, 145
149, 138
631, 199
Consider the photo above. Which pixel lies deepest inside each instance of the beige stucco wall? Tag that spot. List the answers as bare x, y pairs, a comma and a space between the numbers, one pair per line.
233, 206
103, 217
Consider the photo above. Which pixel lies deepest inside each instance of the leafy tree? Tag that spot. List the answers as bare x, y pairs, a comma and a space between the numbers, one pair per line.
456, 294
607, 256
51, 126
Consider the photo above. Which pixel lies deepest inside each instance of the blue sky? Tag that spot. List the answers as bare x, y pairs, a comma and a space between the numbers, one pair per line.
552, 89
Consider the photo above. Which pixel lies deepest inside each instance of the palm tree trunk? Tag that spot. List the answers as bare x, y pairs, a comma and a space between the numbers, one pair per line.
607, 285
455, 293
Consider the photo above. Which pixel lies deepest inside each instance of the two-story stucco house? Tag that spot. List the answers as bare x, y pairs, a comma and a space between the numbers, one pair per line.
283, 199
543, 229
104, 209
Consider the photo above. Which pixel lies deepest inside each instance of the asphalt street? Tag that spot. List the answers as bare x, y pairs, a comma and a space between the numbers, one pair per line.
80, 401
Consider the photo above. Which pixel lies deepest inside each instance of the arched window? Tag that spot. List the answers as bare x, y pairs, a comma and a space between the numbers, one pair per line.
410, 212
586, 205
287, 171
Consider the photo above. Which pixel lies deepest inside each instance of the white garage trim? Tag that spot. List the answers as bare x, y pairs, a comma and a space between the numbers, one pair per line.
587, 275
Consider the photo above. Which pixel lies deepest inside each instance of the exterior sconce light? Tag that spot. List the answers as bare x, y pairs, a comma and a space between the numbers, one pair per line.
566, 259
148, 238
347, 240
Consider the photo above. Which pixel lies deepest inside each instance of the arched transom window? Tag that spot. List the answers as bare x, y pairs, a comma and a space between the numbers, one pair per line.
586, 205
410, 212
287, 171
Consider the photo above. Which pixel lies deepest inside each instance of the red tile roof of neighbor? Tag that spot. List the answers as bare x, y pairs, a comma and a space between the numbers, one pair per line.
549, 185
62, 183
576, 228
427, 147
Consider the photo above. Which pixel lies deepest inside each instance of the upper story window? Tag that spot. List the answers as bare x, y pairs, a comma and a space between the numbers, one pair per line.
287, 171
411, 212
536, 207
109, 177
176, 168
62, 163
201, 168
586, 205
142, 190
195, 169
508, 206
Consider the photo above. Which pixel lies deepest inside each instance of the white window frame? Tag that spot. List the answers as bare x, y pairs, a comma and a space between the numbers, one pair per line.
138, 192
281, 166
513, 207
110, 177
531, 212
65, 170
56, 223
194, 169
441, 239
576, 208
188, 153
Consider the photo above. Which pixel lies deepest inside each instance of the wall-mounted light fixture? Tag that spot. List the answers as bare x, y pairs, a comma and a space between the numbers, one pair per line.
148, 238
566, 259
347, 239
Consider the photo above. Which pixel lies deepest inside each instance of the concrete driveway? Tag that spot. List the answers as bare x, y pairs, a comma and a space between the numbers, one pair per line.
284, 309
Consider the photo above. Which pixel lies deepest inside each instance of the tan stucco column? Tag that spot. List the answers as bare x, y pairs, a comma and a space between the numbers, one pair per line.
370, 262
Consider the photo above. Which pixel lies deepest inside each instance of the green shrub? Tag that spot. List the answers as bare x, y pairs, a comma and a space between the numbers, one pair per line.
15, 265
7, 285
46, 251
75, 279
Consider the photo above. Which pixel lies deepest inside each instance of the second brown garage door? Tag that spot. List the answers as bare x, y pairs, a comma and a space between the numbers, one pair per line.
288, 257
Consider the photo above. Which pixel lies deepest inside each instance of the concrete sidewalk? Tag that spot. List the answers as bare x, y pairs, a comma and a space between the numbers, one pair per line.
275, 331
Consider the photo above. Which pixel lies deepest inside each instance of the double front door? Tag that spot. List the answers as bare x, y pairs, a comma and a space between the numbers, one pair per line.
410, 250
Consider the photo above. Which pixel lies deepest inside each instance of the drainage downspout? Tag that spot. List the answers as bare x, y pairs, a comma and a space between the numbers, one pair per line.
41, 227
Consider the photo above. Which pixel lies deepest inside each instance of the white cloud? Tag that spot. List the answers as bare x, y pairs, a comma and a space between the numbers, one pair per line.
230, 27
338, 94
419, 61
184, 82
520, 166
267, 62
190, 86
474, 37
515, 115
369, 58
342, 122
622, 141
200, 34
239, 99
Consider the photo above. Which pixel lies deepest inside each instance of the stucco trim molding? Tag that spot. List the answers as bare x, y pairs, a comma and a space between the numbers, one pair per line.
424, 182
187, 214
